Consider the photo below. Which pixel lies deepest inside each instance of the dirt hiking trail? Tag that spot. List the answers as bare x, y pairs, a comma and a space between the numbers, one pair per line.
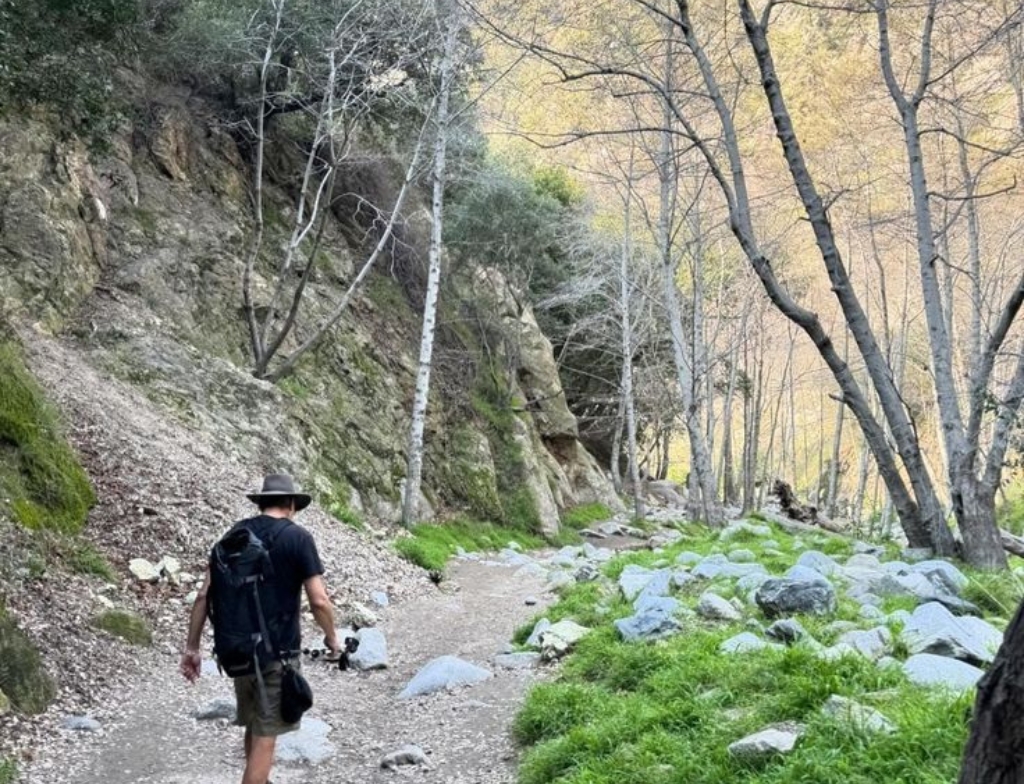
151, 737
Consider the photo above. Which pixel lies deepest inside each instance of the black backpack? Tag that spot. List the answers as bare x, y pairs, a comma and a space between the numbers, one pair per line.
246, 622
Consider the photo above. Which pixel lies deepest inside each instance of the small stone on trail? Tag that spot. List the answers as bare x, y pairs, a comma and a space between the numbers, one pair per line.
530, 601
308, 744
533, 641
380, 598
219, 708
444, 672
406, 755
80, 723
525, 660
144, 570
372, 653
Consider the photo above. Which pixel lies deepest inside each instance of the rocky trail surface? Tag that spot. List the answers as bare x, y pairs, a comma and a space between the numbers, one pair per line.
149, 734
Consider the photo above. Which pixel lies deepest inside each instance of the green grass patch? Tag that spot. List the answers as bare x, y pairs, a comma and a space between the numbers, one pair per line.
128, 627
22, 677
86, 559
997, 593
38, 470
8, 771
665, 713
430, 546
585, 515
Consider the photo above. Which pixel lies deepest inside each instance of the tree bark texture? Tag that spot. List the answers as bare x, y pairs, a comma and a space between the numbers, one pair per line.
994, 753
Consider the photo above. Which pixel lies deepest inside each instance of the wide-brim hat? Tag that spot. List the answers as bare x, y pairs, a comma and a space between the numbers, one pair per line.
281, 486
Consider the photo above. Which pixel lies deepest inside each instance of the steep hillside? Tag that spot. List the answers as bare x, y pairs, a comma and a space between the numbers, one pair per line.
120, 275
135, 258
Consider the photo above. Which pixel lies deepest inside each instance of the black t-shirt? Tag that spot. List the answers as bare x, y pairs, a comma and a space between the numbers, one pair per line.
295, 559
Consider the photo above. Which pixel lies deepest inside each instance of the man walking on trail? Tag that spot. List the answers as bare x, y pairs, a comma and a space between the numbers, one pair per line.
294, 564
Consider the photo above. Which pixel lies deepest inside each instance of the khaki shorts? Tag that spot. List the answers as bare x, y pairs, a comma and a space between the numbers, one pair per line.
249, 713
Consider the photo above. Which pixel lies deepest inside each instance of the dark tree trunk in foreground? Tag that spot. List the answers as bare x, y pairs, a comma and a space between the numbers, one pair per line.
995, 752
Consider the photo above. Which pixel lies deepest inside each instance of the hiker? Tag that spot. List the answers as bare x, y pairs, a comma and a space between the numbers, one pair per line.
286, 560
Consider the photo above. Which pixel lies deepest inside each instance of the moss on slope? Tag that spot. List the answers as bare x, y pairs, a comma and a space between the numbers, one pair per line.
41, 481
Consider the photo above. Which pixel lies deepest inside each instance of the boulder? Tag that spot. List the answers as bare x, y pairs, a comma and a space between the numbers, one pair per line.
219, 708
786, 630
523, 660
654, 622
144, 570
942, 574
533, 641
372, 653
559, 638
805, 574
80, 724
634, 579
777, 739
308, 744
587, 573
857, 717
358, 615
405, 755
659, 585
926, 669
647, 602
865, 548
932, 628
741, 555
688, 558
745, 642
444, 672
787, 596
819, 562
715, 608
870, 644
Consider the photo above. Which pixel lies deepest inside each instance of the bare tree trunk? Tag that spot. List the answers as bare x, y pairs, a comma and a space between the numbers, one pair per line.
705, 505
982, 545
837, 442
625, 293
994, 753
414, 468
615, 464
728, 471
923, 520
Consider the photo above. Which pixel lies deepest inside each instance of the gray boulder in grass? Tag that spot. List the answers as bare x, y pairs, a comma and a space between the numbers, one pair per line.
442, 673
779, 597
941, 672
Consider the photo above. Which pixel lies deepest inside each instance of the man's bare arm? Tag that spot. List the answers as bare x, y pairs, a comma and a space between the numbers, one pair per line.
323, 610
191, 658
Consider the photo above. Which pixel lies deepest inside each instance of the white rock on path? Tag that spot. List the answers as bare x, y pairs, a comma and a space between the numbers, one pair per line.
144, 570
444, 672
372, 653
406, 755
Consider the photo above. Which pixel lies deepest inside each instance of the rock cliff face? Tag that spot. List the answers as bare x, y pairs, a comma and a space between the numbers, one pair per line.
134, 259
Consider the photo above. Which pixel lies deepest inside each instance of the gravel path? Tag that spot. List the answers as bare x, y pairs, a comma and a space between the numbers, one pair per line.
150, 737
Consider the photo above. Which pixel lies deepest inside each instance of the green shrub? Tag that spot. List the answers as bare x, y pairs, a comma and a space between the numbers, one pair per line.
38, 470
430, 546
8, 771
585, 515
85, 559
22, 677
130, 628
994, 592
63, 55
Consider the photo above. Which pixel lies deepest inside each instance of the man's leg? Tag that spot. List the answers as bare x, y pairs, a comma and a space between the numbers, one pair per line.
248, 743
259, 758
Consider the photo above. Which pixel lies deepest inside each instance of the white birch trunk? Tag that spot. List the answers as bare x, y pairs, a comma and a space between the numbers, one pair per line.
414, 469
625, 290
